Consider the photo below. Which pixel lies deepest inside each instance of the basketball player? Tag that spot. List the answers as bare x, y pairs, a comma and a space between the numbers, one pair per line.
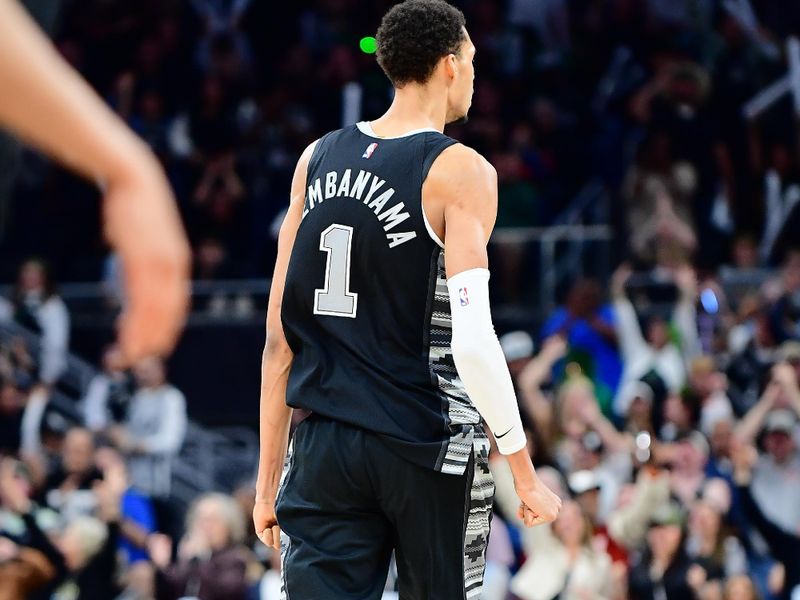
379, 324
44, 102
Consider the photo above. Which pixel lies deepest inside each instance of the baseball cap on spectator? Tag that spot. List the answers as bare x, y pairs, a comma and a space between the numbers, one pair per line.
669, 513
696, 439
591, 442
634, 390
583, 481
516, 345
717, 409
780, 419
54, 422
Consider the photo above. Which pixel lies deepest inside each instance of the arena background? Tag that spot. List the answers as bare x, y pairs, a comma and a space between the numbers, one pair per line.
656, 132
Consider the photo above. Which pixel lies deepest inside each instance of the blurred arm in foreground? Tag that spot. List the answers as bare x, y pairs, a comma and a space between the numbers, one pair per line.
52, 108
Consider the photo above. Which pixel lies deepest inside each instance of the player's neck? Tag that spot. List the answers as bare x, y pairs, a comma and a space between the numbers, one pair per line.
413, 107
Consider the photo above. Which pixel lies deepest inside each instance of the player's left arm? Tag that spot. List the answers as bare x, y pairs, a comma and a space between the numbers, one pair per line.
275, 364
467, 186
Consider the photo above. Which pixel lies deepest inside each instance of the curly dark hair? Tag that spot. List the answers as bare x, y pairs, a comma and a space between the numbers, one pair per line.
414, 35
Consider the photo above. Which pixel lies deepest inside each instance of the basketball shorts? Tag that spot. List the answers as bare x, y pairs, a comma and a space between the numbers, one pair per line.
346, 501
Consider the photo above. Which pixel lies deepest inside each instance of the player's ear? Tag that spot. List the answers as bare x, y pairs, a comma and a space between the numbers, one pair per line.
450, 66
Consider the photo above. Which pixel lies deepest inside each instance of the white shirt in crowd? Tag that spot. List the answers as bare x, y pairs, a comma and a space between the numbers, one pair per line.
776, 488
639, 357
95, 403
157, 422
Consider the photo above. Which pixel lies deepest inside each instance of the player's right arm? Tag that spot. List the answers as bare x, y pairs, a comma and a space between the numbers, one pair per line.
47, 104
275, 364
466, 185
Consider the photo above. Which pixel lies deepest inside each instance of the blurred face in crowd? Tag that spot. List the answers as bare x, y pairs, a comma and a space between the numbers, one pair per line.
110, 361
78, 451
640, 413
587, 459
745, 253
626, 495
676, 412
109, 458
31, 277
717, 494
9, 399
780, 445
739, 587
209, 256
705, 379
584, 298
570, 526
657, 333
211, 524
551, 478
149, 372
704, 520
573, 394
589, 503
664, 540
688, 457
462, 86
720, 439
763, 335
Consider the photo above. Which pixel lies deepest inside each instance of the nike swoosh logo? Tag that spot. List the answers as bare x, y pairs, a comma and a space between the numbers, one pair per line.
503, 434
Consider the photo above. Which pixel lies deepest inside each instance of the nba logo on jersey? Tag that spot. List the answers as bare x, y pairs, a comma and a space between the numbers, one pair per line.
370, 149
463, 297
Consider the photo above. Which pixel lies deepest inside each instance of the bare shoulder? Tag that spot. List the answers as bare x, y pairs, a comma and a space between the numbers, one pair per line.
463, 167
305, 157
464, 182
301, 171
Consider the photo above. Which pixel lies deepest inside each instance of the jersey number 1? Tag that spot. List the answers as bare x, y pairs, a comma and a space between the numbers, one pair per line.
336, 299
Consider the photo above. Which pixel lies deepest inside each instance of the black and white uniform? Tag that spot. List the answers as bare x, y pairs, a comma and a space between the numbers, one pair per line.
394, 456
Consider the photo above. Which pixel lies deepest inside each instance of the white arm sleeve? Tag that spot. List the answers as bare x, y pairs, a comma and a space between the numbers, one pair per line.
480, 361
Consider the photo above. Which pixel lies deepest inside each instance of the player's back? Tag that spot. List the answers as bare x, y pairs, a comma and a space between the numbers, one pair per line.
365, 307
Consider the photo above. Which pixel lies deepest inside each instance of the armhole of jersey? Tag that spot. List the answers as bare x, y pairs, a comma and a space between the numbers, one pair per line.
440, 145
316, 155
430, 230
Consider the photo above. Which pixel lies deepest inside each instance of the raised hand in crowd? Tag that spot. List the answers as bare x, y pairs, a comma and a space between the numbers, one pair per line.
109, 492
784, 377
744, 457
159, 547
686, 281
619, 279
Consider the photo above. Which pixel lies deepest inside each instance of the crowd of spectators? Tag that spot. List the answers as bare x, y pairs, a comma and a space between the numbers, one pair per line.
662, 403
676, 452
86, 510
645, 98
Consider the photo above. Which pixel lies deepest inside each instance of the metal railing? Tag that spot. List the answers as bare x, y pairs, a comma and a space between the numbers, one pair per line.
563, 252
210, 459
93, 303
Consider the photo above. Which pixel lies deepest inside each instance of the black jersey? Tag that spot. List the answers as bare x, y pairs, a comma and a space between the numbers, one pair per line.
366, 308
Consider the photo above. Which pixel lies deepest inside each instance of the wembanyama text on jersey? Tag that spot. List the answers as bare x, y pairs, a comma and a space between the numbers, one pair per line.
375, 195
366, 309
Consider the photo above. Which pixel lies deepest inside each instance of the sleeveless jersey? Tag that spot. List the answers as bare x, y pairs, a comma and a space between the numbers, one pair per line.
366, 309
